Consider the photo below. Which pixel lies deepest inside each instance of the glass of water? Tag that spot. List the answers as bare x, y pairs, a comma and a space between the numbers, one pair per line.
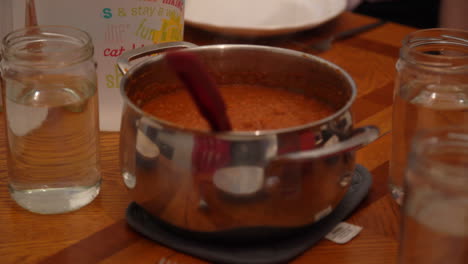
435, 209
51, 114
431, 90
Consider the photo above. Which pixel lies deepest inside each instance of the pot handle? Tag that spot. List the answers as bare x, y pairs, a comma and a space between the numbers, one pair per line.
123, 62
360, 137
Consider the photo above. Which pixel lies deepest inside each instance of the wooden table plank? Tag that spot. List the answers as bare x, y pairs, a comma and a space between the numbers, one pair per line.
98, 233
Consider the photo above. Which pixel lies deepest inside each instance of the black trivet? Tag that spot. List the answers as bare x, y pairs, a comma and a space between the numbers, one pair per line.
278, 250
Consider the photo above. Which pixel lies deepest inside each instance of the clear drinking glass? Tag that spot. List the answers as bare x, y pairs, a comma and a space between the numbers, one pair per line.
435, 210
431, 90
51, 117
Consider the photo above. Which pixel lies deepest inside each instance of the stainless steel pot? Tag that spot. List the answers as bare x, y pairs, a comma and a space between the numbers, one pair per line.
217, 182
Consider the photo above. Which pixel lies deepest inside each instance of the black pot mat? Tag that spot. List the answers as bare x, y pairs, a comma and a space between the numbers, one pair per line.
280, 249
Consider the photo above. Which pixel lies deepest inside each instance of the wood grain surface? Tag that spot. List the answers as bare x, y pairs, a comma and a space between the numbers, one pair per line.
98, 232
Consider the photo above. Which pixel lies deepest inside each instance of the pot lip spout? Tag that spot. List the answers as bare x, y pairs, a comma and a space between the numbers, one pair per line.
242, 134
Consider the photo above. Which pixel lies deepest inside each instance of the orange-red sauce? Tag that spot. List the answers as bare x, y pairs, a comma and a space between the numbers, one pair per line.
249, 107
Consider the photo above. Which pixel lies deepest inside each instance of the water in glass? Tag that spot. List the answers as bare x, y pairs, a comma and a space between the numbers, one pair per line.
54, 159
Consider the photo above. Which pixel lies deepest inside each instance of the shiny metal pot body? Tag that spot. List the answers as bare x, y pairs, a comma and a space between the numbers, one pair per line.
210, 182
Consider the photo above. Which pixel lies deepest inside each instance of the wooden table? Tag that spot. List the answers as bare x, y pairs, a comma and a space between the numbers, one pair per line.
99, 233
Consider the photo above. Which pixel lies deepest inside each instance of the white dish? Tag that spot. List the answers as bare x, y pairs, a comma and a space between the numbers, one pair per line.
260, 17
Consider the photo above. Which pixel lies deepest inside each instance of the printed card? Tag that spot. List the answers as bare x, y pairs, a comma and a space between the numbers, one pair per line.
116, 26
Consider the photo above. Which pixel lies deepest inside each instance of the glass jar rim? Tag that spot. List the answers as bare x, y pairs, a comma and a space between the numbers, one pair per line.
436, 49
28, 46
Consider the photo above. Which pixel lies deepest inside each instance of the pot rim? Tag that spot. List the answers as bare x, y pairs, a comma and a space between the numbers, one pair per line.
242, 134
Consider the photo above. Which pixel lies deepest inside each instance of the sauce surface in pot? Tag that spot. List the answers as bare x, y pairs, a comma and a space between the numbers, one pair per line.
249, 107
